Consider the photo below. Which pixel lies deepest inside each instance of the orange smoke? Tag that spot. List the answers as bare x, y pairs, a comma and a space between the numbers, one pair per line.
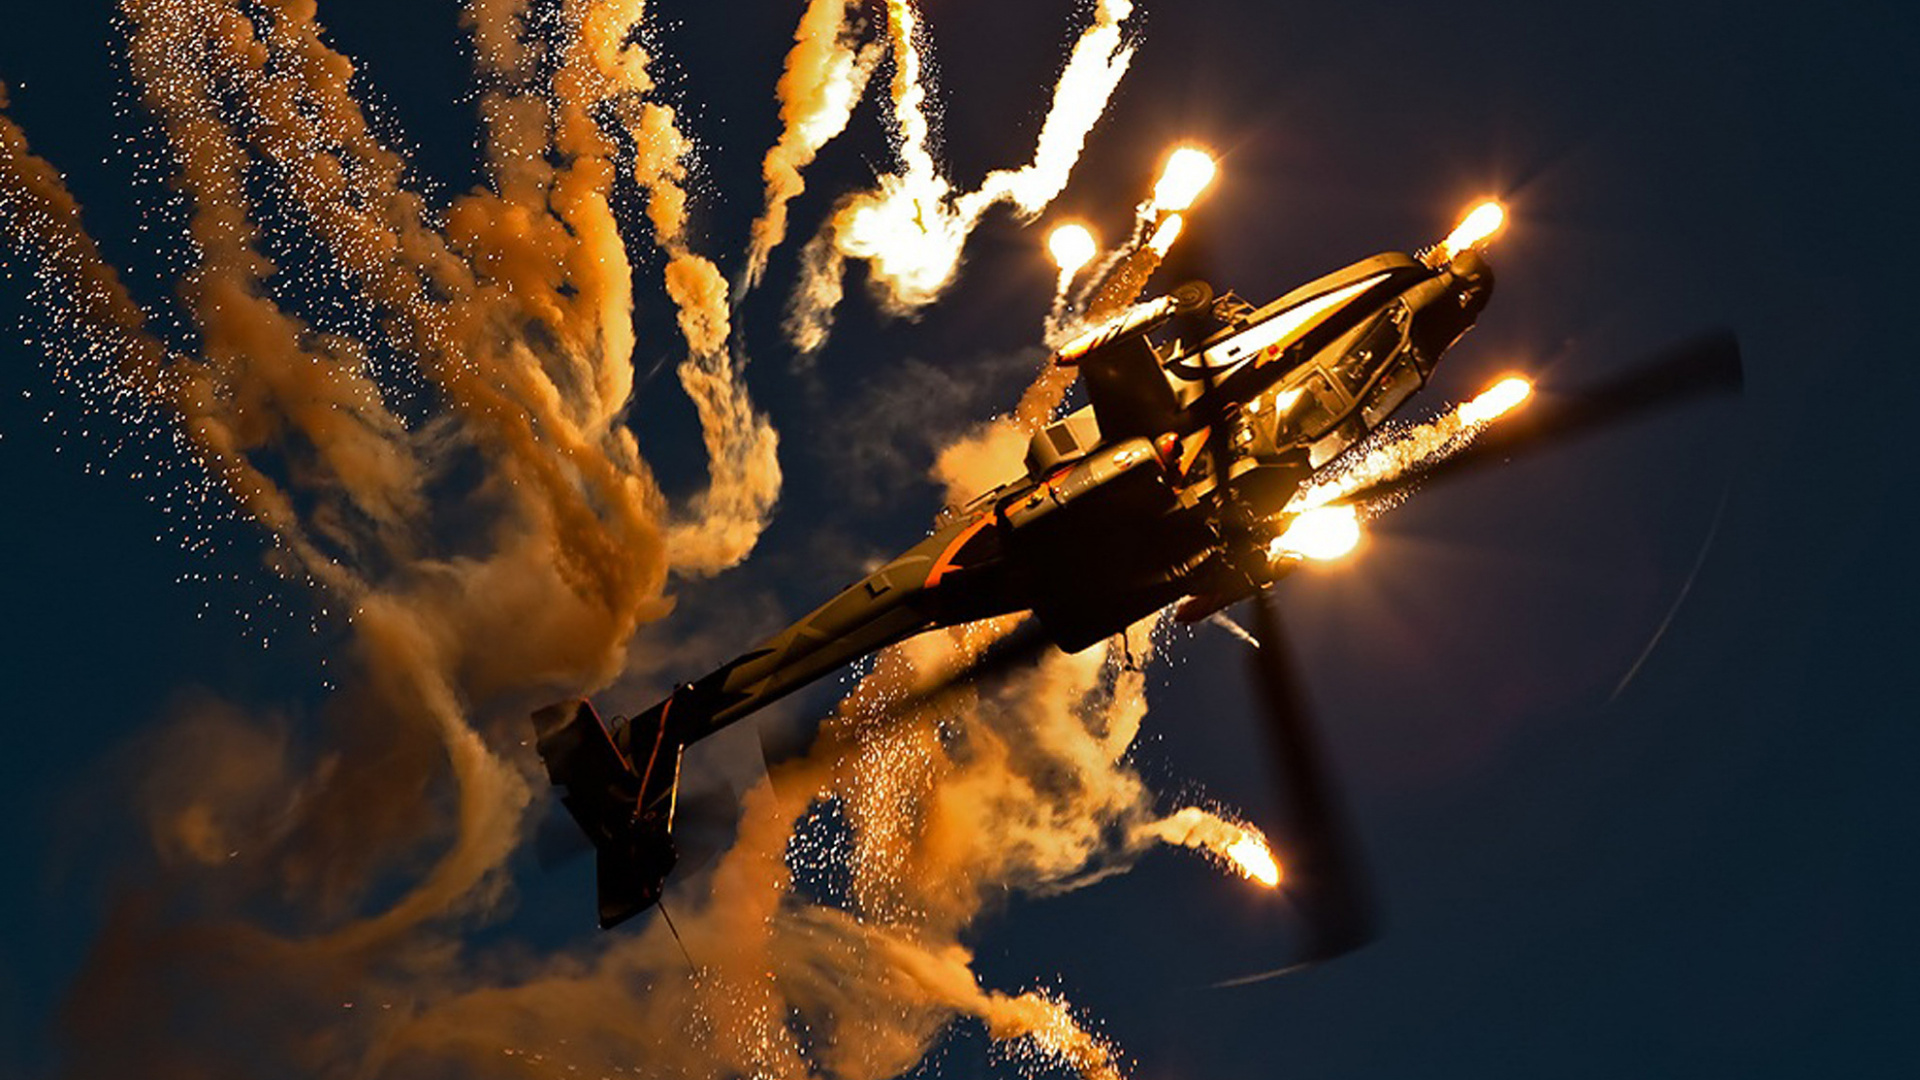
517, 312
513, 306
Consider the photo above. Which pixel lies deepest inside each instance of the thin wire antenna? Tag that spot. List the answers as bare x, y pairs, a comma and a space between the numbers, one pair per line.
1249, 980
1699, 563
677, 939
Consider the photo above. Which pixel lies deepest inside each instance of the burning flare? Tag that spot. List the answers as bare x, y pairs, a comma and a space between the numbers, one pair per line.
1188, 172
1392, 452
1496, 401
1322, 534
1251, 856
1166, 234
1241, 847
1072, 247
1475, 230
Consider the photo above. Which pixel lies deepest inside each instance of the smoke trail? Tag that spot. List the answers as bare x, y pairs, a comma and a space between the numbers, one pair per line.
315, 889
913, 228
941, 811
290, 419
606, 66
1394, 450
826, 75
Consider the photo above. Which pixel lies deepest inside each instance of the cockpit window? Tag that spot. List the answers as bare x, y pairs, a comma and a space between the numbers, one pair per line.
1357, 367
1395, 387
1317, 408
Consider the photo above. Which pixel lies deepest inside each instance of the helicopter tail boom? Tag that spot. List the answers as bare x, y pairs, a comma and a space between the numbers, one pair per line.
620, 788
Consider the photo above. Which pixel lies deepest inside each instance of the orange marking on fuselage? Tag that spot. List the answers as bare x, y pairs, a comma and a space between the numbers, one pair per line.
1191, 452
660, 736
945, 562
608, 735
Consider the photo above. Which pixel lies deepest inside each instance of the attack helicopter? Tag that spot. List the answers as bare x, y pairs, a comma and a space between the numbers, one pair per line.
1173, 486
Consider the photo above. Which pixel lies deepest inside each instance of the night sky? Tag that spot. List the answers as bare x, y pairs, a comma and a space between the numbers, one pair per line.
1705, 869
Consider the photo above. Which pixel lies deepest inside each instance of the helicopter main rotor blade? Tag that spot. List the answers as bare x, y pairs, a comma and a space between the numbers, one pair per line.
1703, 367
1319, 857
1315, 848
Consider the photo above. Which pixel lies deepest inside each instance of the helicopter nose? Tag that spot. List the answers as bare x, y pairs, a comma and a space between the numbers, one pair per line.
1472, 282
1472, 270
1441, 322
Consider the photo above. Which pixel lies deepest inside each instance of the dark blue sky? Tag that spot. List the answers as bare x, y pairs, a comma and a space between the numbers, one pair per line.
1710, 872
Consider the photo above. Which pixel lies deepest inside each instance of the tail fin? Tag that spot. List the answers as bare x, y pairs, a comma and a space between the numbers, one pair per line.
620, 788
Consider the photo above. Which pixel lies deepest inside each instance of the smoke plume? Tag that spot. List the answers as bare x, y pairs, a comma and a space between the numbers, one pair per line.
912, 229
826, 75
441, 453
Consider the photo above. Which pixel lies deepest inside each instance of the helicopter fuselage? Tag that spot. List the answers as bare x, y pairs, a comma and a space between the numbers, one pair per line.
1117, 514
1114, 516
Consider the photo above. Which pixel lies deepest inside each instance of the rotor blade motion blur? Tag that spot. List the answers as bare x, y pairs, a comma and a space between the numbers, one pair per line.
1703, 367
1318, 856
1321, 859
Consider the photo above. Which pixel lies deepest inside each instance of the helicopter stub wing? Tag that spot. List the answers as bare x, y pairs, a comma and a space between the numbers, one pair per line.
1128, 391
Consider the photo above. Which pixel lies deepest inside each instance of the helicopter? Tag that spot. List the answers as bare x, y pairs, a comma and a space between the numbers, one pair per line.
1171, 487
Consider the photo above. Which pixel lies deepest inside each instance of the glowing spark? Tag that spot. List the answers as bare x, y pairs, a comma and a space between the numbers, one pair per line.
1072, 247
1166, 234
1187, 174
1323, 534
1496, 401
1250, 856
1475, 230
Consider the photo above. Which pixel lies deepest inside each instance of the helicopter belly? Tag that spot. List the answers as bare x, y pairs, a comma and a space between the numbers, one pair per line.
1096, 545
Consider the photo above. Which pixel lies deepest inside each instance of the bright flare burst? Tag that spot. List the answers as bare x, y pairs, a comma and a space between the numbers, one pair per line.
1188, 172
1497, 400
1392, 452
1231, 843
1072, 247
1166, 234
912, 228
1251, 856
1475, 230
1323, 534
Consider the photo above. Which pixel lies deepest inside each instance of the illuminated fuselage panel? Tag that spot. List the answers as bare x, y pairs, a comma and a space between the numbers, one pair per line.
1320, 367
